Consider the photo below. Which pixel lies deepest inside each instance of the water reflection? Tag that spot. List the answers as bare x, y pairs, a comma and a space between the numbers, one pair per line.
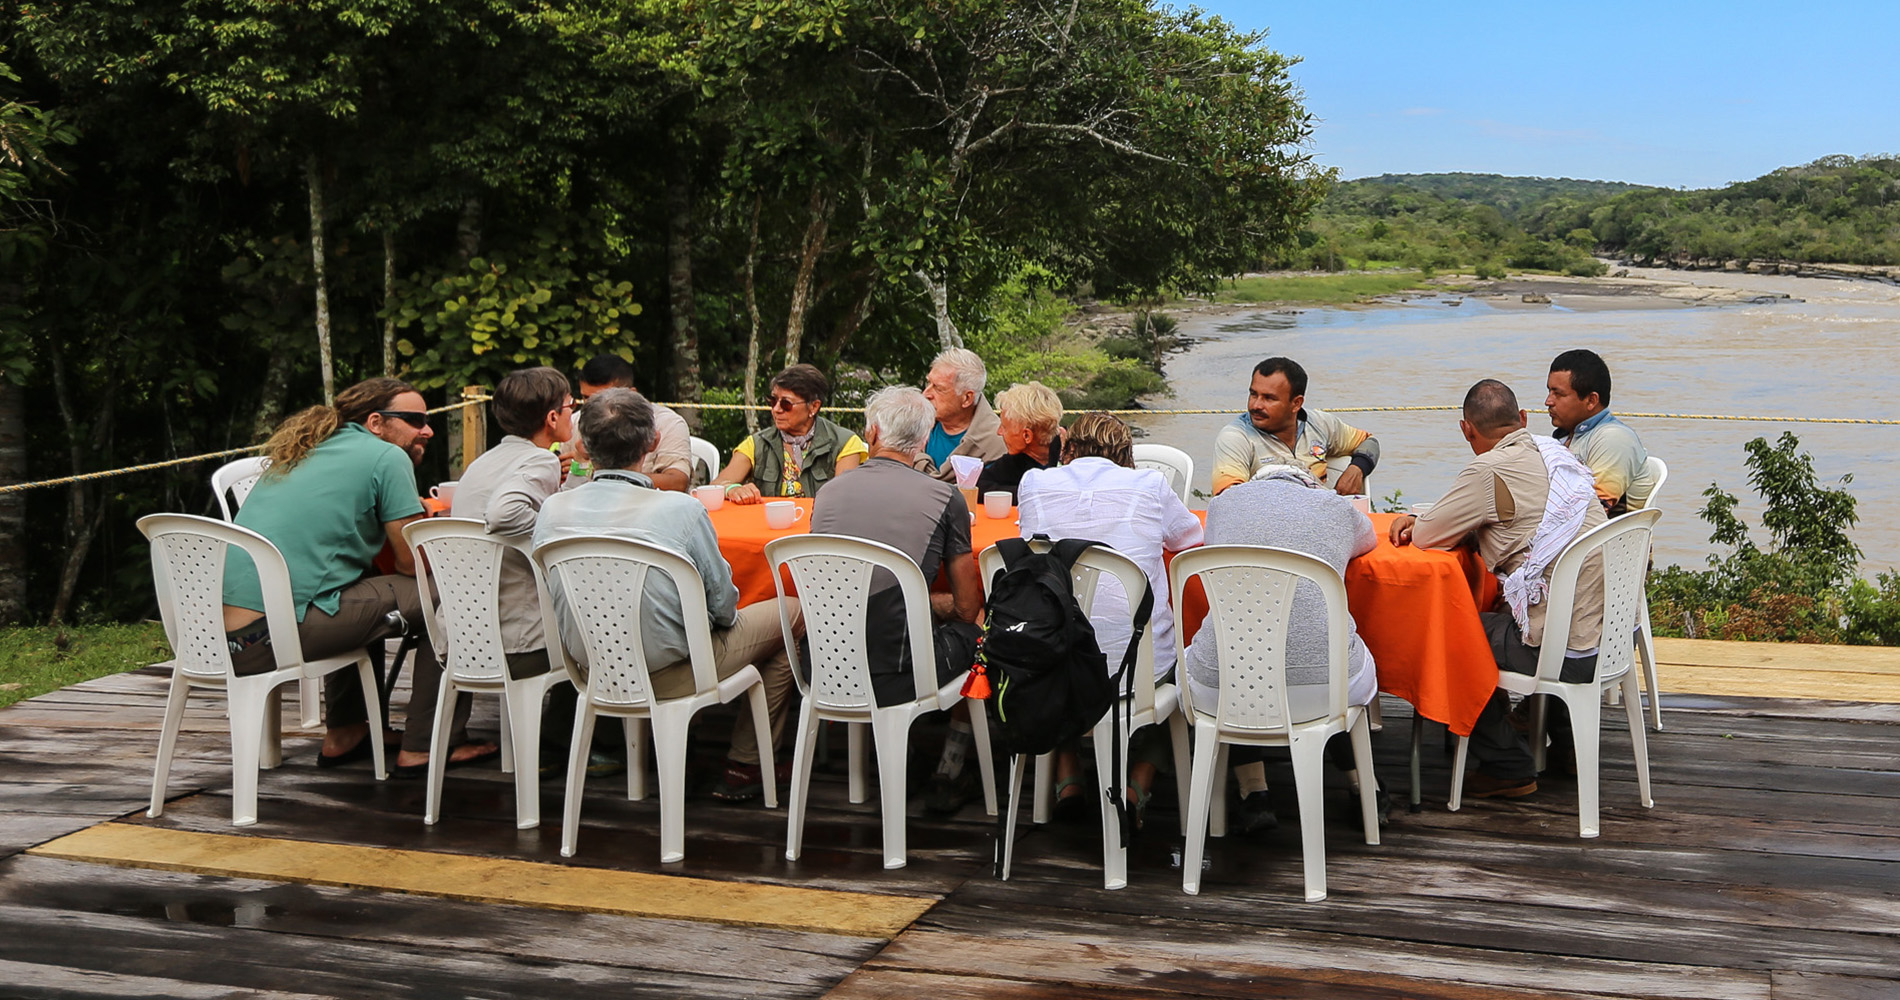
1829, 355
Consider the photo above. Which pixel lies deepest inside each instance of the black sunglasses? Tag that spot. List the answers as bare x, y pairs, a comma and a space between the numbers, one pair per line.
414, 418
785, 404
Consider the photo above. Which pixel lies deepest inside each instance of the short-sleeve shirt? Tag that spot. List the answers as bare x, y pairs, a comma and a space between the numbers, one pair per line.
1616, 457
326, 515
1241, 449
674, 452
790, 486
887, 501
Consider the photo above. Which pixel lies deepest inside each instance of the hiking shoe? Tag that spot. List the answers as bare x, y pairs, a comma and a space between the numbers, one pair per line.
1561, 757
1256, 817
1381, 806
944, 796
1483, 786
744, 782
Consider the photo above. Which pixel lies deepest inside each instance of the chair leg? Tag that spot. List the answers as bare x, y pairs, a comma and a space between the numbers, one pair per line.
803, 747
1639, 742
1309, 781
1586, 723
1217, 806
1458, 775
980, 726
373, 711
762, 727
1114, 852
167, 740
1539, 734
521, 705
1014, 787
856, 749
576, 776
439, 750
669, 751
892, 734
1368, 782
270, 751
1201, 793
507, 740
1646, 648
633, 730
1045, 779
310, 701
244, 706
1178, 735
1418, 738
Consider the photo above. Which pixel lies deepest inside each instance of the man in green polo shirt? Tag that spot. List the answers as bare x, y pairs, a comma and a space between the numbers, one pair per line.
341, 483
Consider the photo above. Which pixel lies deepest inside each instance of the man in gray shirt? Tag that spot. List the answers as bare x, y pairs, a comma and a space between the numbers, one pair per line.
617, 428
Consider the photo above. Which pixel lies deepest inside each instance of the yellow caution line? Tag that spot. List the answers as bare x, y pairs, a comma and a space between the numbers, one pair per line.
491, 880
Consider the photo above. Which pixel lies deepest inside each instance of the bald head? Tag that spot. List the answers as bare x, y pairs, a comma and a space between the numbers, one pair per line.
1491, 412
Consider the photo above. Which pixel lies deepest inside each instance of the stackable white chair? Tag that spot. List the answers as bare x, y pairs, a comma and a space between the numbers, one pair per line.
1149, 704
1171, 462
1250, 592
1624, 543
188, 554
707, 452
601, 581
833, 577
236, 478
1657, 472
463, 561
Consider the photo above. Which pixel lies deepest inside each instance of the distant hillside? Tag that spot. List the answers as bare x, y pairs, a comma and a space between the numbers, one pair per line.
1838, 209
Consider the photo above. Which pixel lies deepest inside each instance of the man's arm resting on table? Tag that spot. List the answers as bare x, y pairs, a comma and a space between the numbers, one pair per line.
1364, 459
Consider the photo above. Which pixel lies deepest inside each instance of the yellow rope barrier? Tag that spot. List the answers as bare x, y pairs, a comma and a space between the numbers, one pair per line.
89, 476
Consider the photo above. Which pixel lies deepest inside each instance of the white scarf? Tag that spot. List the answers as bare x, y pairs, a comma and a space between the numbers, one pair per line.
1572, 491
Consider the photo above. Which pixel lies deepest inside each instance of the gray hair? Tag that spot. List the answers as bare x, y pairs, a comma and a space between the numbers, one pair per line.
967, 364
1288, 474
902, 416
617, 429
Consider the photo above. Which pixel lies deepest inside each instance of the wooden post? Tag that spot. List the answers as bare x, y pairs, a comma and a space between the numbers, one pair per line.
473, 426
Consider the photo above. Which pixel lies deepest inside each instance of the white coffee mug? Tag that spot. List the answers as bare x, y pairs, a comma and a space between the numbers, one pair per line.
714, 497
1361, 503
1420, 508
444, 492
997, 503
782, 514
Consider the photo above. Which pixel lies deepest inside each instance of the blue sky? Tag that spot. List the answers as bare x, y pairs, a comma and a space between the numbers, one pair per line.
1678, 94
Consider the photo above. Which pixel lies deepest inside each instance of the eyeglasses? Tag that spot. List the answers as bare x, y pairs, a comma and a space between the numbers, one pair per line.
785, 404
414, 418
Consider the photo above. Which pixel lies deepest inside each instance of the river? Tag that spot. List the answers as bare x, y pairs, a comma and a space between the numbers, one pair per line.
1830, 354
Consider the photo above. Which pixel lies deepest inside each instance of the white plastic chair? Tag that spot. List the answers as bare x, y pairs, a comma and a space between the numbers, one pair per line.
236, 478
1171, 462
707, 452
1624, 543
601, 581
833, 577
188, 554
1657, 472
1149, 704
1250, 592
464, 562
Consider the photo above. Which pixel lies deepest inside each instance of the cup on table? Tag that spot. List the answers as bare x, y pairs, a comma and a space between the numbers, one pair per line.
782, 514
444, 492
1418, 508
1361, 502
970, 498
714, 497
997, 503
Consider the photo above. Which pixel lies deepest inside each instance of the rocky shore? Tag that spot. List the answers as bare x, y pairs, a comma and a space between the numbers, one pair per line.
1799, 269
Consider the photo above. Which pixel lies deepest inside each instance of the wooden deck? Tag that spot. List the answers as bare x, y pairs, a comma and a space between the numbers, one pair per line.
1770, 868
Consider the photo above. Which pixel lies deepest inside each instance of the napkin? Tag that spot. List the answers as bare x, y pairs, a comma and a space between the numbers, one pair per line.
968, 468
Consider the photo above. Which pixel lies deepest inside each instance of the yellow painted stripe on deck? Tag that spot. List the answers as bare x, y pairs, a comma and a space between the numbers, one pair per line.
491, 880
1779, 670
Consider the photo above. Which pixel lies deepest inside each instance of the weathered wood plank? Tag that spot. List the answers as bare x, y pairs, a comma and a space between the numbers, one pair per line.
32, 981
880, 984
1779, 655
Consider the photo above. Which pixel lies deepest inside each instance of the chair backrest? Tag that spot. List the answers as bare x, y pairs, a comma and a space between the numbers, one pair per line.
464, 561
833, 576
1624, 543
1171, 462
1656, 473
188, 554
707, 452
600, 581
237, 478
1250, 591
1087, 575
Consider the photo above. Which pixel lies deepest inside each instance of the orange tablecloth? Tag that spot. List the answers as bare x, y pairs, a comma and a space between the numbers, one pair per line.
743, 534
1416, 610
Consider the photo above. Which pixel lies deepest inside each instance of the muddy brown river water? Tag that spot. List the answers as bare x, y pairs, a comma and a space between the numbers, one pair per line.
1833, 353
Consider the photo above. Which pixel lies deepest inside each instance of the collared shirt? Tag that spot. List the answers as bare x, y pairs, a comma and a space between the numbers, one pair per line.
326, 514
504, 489
624, 504
673, 450
1616, 458
1133, 511
1241, 449
1498, 501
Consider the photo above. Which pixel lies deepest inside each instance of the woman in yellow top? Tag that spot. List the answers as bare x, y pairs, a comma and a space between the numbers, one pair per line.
814, 448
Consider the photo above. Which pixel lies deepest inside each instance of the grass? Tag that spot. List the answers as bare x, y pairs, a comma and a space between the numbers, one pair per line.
38, 659
1325, 289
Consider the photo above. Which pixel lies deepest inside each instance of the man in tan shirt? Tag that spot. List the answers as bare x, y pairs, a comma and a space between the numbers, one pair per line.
1498, 502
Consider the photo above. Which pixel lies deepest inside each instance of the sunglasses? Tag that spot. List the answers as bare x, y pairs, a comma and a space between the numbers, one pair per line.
414, 418
785, 404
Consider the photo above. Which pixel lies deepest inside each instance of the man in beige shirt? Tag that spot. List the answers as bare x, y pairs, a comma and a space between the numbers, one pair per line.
670, 463
1499, 502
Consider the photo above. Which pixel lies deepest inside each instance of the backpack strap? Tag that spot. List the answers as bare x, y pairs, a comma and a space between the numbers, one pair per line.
1068, 550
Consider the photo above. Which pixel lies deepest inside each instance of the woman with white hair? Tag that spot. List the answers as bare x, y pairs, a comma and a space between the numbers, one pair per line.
1029, 420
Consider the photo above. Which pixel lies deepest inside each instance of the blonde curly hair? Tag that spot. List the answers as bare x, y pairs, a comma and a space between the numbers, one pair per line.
298, 436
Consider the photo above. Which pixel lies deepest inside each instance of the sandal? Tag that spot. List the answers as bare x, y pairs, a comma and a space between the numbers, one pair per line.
1075, 808
1140, 806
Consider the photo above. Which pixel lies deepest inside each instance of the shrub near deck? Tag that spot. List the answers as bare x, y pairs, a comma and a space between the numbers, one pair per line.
38, 659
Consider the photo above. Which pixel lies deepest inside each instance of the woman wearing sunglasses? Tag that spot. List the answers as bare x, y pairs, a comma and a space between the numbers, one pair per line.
800, 452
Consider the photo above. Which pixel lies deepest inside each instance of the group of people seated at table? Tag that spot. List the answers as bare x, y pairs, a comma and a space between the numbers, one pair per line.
341, 485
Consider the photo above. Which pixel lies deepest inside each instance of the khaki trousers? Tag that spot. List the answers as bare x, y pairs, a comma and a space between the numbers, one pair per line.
754, 638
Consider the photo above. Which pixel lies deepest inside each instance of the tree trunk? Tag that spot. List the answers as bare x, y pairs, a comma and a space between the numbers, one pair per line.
852, 319
818, 223
389, 292
752, 311
276, 387
84, 512
679, 286
468, 230
939, 290
13, 469
313, 174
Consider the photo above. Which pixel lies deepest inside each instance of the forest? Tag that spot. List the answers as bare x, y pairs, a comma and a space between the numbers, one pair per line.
215, 212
